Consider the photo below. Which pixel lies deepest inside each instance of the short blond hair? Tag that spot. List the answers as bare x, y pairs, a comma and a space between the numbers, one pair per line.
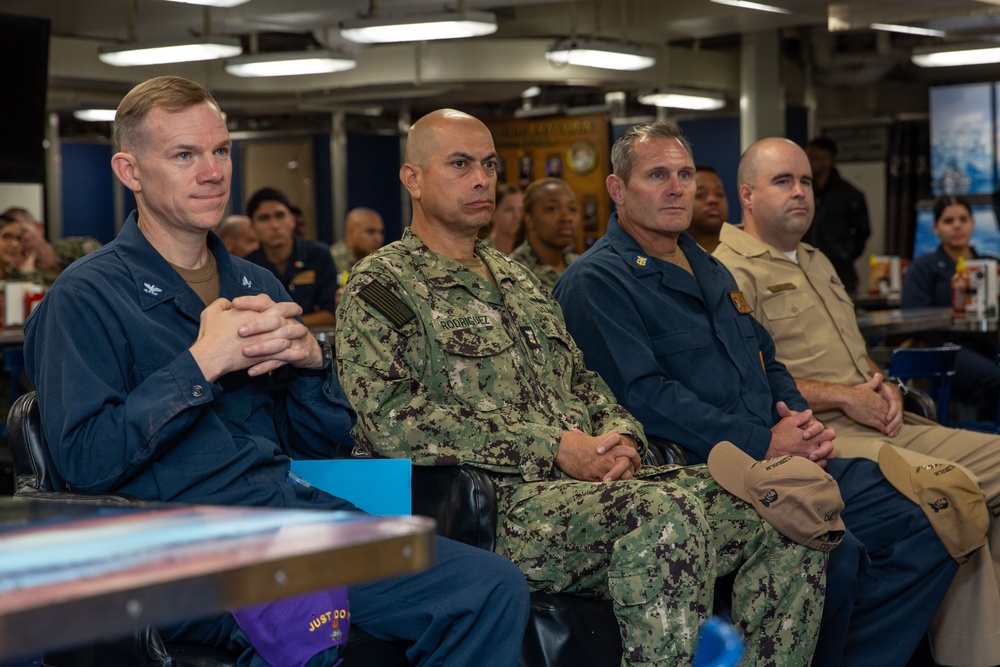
172, 93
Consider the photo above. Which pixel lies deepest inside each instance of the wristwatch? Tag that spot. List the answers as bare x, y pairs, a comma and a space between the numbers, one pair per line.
327, 351
903, 389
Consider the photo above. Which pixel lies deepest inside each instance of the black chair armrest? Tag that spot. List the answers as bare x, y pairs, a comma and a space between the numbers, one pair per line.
920, 403
78, 498
667, 452
461, 499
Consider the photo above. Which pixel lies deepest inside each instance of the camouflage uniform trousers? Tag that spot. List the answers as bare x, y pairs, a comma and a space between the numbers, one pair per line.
655, 546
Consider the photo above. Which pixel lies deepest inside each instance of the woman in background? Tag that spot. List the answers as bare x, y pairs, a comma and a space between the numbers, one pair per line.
501, 233
928, 283
550, 220
15, 264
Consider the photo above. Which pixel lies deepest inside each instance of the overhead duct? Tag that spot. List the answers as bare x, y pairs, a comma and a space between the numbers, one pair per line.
851, 69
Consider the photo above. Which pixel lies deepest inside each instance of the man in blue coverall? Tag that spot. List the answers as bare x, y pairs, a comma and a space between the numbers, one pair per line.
172, 371
305, 268
665, 325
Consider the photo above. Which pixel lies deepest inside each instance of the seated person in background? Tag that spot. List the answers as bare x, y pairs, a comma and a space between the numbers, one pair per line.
304, 267
502, 231
453, 353
550, 219
364, 233
928, 283
15, 264
236, 232
172, 371
796, 294
49, 258
710, 210
665, 325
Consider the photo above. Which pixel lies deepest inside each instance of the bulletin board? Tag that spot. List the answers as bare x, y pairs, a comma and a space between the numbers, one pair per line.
573, 148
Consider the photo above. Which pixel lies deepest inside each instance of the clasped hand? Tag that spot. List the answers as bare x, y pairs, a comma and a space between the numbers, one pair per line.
876, 404
253, 333
597, 458
800, 434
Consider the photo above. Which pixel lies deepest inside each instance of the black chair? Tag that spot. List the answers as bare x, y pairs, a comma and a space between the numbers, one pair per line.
35, 477
936, 364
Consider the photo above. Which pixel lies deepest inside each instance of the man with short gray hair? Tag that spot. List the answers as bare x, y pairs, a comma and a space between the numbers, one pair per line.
666, 325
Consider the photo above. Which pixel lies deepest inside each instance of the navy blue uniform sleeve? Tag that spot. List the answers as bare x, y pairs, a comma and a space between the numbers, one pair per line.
326, 279
919, 286
608, 326
101, 434
316, 410
783, 387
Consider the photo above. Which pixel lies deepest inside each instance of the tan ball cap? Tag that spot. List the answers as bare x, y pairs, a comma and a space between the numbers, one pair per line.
791, 493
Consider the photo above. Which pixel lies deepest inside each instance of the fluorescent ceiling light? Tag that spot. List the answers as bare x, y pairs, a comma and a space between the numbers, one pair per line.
418, 27
956, 54
151, 53
290, 63
743, 4
213, 3
94, 115
907, 29
599, 53
683, 98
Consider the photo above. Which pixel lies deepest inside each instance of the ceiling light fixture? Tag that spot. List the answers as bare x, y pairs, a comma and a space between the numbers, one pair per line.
907, 29
213, 3
952, 55
159, 53
743, 4
600, 53
290, 63
94, 115
419, 27
684, 98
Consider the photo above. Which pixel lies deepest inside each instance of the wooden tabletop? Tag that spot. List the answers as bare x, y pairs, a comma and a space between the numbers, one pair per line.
72, 573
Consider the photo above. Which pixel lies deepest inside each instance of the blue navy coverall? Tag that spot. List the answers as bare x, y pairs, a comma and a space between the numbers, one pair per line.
126, 409
680, 356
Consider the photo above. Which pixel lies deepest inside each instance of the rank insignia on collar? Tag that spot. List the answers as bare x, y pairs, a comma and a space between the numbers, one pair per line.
640, 260
740, 301
530, 339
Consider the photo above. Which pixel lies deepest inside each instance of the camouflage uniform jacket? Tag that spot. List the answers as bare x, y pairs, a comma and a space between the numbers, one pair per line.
343, 256
445, 368
546, 274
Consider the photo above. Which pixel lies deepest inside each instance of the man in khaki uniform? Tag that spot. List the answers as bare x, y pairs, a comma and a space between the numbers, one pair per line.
452, 353
796, 294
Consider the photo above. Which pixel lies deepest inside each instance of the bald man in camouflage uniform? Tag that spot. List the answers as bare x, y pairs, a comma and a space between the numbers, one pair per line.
451, 353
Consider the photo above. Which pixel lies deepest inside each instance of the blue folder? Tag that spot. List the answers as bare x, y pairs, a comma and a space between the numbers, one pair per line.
378, 486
